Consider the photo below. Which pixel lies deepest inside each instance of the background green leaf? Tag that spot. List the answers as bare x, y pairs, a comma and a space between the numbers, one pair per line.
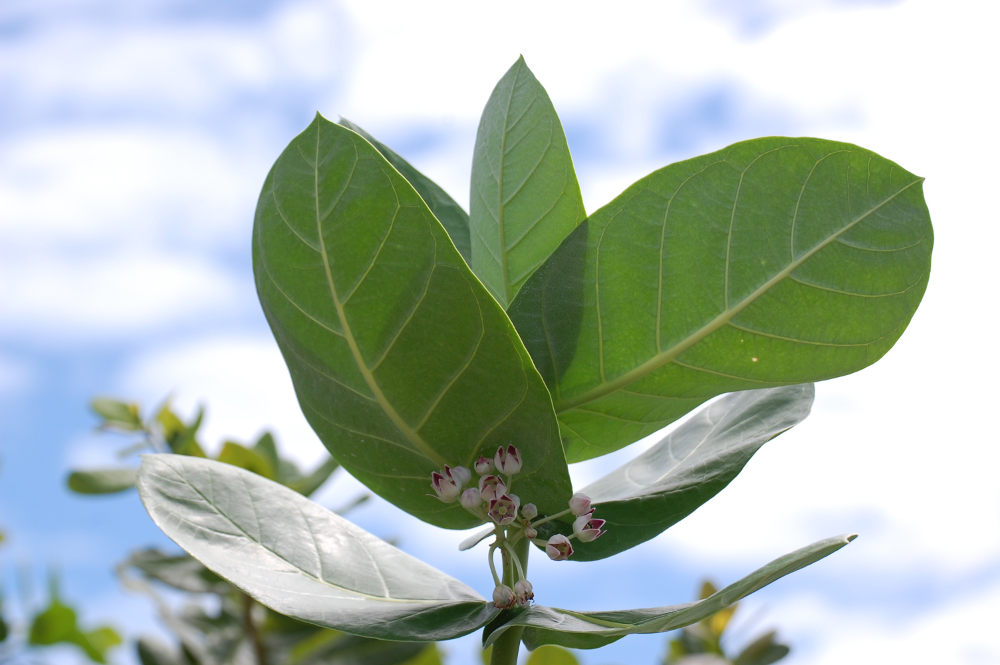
774, 261
101, 481
298, 558
401, 360
451, 215
655, 490
525, 196
589, 630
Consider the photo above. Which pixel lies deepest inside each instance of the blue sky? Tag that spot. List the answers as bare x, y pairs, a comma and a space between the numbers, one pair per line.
134, 137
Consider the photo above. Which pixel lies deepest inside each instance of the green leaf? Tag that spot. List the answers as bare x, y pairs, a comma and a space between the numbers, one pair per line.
774, 261
655, 490
451, 215
179, 571
401, 360
764, 650
117, 414
57, 624
306, 485
551, 655
101, 481
525, 197
246, 458
298, 558
589, 630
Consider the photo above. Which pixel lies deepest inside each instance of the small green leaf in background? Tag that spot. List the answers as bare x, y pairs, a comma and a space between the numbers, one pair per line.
401, 360
691, 464
101, 481
57, 624
551, 655
117, 414
180, 437
773, 261
246, 458
300, 559
590, 630
525, 197
454, 220
764, 650
178, 571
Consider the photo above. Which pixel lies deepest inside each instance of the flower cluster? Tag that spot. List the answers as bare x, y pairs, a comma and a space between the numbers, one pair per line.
490, 499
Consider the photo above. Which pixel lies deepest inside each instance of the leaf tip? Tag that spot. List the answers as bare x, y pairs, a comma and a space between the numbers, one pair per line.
850, 537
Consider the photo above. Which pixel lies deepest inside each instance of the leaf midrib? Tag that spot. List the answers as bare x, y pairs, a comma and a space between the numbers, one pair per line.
404, 428
663, 357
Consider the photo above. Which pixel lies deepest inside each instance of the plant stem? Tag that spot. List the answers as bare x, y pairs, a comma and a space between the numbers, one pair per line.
250, 626
506, 647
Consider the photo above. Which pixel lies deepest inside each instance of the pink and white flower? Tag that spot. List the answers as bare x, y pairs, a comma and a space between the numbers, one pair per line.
447, 484
507, 460
503, 509
559, 548
587, 528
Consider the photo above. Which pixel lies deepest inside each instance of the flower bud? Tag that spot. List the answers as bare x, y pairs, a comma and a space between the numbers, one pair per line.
444, 485
459, 474
558, 548
503, 510
529, 511
579, 504
483, 465
586, 528
507, 460
525, 594
471, 500
530, 532
490, 487
503, 597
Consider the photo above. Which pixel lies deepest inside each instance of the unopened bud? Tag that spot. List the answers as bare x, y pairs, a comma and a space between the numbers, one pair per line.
507, 460
471, 500
483, 465
529, 511
503, 597
579, 504
530, 532
525, 594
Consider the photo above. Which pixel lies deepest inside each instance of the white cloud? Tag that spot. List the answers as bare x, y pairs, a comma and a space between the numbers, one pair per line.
242, 381
107, 296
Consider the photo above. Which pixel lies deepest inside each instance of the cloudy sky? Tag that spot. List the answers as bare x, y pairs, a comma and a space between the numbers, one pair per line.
134, 138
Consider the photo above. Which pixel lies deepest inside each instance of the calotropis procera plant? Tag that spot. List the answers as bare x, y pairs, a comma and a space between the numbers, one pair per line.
454, 363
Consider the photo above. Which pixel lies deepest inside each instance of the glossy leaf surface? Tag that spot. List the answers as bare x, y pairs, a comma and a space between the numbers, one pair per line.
589, 630
401, 360
451, 215
774, 261
693, 463
525, 197
298, 558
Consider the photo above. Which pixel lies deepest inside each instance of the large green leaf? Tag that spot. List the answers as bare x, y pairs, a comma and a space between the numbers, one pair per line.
525, 198
454, 220
401, 360
774, 261
589, 630
655, 490
298, 558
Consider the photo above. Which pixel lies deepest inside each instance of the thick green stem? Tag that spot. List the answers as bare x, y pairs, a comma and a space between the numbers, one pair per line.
506, 647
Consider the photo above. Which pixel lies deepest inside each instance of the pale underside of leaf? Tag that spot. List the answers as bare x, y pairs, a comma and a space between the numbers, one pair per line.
299, 559
589, 630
